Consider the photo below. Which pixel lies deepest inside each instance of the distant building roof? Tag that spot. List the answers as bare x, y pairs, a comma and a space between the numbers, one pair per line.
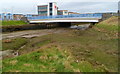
17, 14
73, 13
62, 10
42, 5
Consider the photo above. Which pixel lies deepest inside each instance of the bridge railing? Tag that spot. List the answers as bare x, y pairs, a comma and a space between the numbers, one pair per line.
97, 15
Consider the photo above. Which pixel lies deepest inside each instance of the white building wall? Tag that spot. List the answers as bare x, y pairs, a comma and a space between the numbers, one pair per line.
65, 13
54, 10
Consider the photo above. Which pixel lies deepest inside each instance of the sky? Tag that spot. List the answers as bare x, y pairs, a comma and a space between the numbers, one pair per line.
81, 6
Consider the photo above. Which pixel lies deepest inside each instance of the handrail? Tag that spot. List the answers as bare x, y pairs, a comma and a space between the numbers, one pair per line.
96, 15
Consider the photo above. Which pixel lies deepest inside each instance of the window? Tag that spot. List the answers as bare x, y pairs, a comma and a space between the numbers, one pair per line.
39, 8
50, 13
60, 13
42, 12
65, 12
50, 4
50, 9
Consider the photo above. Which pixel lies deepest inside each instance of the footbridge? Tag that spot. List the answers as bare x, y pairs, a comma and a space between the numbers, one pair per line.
86, 18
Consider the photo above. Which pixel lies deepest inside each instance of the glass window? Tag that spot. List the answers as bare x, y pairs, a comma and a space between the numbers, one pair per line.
42, 12
66, 12
60, 13
50, 4
50, 13
50, 9
42, 8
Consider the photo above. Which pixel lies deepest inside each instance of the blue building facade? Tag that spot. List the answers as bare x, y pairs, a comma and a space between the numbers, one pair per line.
6, 16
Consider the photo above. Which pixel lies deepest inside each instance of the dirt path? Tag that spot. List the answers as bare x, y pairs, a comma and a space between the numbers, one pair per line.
31, 32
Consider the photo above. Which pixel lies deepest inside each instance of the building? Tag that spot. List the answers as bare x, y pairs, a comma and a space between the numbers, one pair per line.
69, 13
43, 10
48, 10
51, 9
6, 16
17, 16
9, 16
31, 15
62, 12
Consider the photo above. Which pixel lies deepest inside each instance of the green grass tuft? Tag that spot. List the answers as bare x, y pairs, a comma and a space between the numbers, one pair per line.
50, 59
10, 23
14, 44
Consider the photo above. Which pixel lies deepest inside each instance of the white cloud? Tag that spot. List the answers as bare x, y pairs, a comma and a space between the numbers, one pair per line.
30, 6
83, 7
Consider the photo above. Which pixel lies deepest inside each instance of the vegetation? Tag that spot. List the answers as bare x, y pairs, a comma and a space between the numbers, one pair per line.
92, 50
110, 24
110, 21
50, 59
11, 23
13, 44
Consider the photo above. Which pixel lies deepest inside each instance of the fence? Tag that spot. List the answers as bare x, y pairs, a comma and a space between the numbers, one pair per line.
97, 15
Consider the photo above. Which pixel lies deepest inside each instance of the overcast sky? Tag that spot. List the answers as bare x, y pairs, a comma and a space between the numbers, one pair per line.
81, 6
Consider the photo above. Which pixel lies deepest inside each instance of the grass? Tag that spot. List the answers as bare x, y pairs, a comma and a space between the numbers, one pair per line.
51, 59
90, 45
110, 24
13, 44
110, 21
11, 23
108, 28
92, 50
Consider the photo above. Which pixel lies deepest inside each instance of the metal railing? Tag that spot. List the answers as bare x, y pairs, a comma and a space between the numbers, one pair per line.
97, 15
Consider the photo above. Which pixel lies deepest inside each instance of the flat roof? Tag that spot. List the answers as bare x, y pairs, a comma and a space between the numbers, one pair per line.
62, 10
42, 5
74, 12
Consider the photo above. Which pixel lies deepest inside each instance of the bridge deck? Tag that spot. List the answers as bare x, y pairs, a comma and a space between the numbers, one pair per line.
66, 18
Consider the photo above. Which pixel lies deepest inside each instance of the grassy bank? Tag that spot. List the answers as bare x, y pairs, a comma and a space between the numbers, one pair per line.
51, 58
10, 23
92, 50
110, 24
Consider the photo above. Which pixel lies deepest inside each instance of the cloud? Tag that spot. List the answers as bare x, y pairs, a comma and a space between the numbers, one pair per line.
30, 6
90, 6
